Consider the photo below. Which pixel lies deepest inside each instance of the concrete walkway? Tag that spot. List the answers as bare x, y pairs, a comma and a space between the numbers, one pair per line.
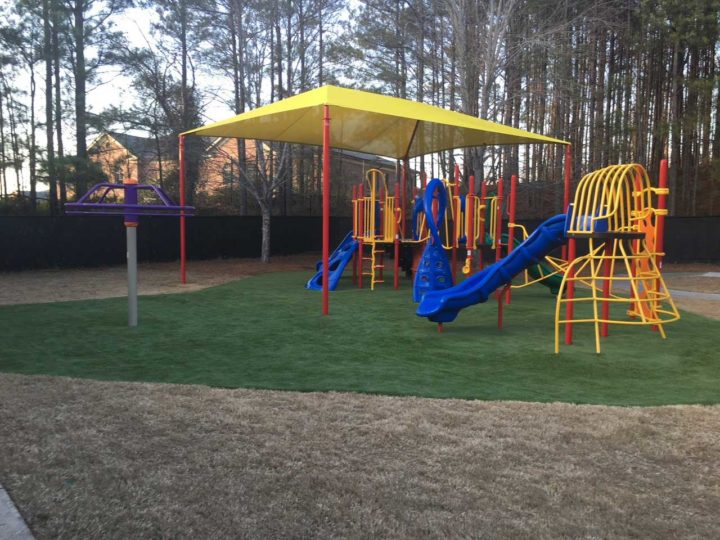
696, 295
12, 525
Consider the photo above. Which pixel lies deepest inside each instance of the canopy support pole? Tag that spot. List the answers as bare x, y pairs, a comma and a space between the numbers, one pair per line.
403, 197
326, 211
566, 189
181, 165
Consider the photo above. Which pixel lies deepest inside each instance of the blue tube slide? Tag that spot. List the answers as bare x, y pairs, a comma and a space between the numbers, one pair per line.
444, 305
338, 261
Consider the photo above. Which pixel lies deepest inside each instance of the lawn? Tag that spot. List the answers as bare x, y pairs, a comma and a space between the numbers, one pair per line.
267, 332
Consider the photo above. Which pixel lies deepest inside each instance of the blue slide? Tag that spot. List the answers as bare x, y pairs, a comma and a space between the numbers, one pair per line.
338, 261
444, 305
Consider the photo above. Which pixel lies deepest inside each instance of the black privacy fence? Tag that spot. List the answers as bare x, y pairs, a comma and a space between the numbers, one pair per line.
28, 242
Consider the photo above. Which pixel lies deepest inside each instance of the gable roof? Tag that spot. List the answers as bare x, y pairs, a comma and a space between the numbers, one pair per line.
140, 147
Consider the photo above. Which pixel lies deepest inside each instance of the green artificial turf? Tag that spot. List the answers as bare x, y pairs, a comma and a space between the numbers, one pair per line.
267, 332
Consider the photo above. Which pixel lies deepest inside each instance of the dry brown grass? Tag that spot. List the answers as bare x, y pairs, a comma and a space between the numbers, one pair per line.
92, 459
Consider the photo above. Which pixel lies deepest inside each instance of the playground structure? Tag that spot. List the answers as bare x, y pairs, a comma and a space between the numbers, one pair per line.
362, 121
615, 211
469, 223
156, 204
621, 216
402, 129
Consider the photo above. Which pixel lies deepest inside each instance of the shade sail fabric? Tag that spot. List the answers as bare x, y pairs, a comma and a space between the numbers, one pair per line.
368, 122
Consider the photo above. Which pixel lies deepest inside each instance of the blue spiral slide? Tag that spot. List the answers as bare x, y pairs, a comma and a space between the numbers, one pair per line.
338, 261
444, 305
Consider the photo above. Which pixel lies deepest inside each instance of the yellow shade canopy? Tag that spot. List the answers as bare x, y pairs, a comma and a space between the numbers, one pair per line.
367, 122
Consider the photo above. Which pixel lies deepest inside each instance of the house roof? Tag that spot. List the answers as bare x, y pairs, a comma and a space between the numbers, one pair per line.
366, 157
368, 122
362, 156
140, 147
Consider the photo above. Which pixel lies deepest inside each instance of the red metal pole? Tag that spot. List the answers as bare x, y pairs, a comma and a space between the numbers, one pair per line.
423, 179
456, 220
604, 327
355, 232
570, 293
498, 222
566, 193
660, 222
403, 196
326, 212
396, 265
183, 247
498, 247
361, 226
483, 200
500, 297
470, 210
662, 205
511, 225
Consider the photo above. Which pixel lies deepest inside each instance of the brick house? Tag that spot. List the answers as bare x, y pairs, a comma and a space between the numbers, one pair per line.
220, 163
128, 156
123, 156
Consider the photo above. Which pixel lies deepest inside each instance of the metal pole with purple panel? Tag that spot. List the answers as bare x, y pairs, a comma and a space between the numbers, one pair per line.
95, 201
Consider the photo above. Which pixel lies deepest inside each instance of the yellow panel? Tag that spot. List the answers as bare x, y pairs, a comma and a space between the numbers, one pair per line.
368, 122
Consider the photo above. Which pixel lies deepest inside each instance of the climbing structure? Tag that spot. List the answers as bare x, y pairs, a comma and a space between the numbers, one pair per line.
618, 281
376, 219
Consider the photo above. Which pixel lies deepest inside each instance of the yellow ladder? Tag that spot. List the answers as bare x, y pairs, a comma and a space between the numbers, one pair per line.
377, 263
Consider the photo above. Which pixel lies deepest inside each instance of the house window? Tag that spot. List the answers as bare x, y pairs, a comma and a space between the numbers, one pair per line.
228, 174
118, 177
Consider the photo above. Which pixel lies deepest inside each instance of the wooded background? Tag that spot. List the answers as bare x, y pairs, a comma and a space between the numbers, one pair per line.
624, 81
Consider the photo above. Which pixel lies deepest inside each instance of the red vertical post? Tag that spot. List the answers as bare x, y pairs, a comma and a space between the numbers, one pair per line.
500, 297
662, 205
183, 247
361, 226
497, 233
396, 235
403, 197
604, 327
326, 212
470, 230
456, 220
511, 223
567, 187
355, 231
483, 222
660, 223
423, 180
570, 293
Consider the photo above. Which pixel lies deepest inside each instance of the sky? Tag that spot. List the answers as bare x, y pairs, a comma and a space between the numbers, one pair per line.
113, 89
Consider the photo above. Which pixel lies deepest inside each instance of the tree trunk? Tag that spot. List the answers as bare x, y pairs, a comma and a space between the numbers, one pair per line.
47, 54
32, 150
58, 101
265, 211
80, 79
3, 157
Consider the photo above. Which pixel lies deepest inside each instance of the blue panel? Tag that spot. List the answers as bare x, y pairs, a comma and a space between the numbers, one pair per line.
433, 272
